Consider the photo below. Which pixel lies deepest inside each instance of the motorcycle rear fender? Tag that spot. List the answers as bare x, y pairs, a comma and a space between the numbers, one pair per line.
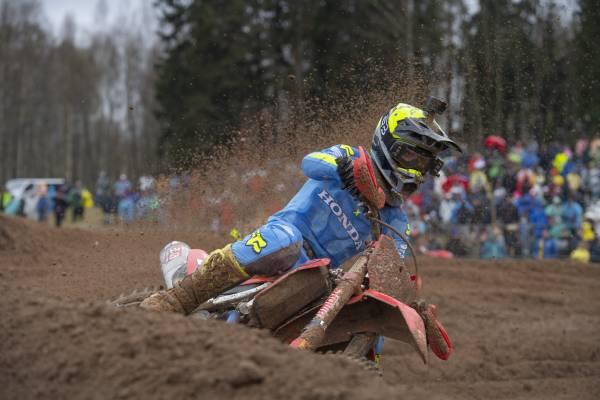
290, 293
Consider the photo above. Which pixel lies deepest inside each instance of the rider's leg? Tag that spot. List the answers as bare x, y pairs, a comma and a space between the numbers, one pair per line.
273, 248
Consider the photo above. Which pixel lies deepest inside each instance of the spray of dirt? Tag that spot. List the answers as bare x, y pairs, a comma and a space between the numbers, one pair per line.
241, 185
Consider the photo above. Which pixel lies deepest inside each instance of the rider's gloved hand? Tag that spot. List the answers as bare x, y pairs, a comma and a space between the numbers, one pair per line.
345, 169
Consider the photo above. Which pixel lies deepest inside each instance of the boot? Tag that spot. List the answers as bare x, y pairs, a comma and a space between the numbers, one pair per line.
219, 272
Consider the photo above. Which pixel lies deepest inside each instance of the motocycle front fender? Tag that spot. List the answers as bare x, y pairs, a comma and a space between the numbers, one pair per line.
369, 312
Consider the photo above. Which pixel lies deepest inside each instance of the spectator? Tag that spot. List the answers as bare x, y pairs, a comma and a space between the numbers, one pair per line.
478, 179
104, 197
60, 205
126, 207
544, 247
509, 180
553, 210
458, 243
5, 199
43, 203
493, 246
595, 251
537, 219
102, 185
449, 203
587, 232
463, 212
526, 202
122, 187
508, 216
581, 253
148, 205
571, 214
76, 202
87, 199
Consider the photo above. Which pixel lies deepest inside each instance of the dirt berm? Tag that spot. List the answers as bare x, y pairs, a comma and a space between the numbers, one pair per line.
522, 330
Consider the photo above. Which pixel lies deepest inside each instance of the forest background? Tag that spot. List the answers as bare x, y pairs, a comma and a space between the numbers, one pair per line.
138, 101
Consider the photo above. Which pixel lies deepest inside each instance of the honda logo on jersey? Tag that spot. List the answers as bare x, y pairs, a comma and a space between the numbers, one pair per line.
342, 217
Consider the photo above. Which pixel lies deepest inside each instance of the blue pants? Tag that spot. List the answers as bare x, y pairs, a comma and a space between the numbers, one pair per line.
273, 248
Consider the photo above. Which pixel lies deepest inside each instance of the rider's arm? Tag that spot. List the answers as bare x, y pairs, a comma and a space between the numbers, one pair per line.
396, 218
321, 165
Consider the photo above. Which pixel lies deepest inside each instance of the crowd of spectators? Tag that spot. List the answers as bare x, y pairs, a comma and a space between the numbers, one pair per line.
119, 201
39, 200
519, 201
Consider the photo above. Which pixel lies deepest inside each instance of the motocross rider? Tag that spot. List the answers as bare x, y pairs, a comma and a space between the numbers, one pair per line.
326, 218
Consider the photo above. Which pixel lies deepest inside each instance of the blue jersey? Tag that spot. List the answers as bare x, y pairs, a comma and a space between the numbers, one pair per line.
329, 217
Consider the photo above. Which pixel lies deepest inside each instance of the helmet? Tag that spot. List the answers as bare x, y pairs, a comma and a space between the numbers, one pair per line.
405, 148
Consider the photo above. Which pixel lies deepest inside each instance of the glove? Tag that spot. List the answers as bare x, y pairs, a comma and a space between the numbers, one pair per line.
345, 169
358, 178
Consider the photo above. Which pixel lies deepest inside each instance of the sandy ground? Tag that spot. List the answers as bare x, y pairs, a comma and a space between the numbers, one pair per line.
521, 330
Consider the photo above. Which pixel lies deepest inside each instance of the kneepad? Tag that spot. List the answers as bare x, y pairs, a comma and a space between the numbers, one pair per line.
271, 249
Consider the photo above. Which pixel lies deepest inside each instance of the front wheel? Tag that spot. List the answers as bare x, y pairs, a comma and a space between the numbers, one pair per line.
357, 352
358, 362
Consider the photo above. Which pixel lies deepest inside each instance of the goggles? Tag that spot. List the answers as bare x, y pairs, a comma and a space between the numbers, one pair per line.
411, 159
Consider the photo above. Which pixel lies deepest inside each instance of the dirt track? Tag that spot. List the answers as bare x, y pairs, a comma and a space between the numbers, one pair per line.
520, 329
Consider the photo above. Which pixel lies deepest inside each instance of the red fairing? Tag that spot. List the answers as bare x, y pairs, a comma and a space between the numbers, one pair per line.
413, 320
439, 341
442, 352
428, 327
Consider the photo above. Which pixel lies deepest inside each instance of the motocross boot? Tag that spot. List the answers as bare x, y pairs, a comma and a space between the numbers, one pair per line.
219, 272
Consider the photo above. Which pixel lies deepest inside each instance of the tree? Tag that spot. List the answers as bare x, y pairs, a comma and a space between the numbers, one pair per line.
64, 106
205, 77
588, 64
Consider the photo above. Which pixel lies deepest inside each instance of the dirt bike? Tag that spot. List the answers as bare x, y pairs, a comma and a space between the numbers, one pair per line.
317, 308
314, 307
